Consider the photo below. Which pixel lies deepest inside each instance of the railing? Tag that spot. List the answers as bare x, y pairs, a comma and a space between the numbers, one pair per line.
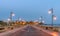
55, 27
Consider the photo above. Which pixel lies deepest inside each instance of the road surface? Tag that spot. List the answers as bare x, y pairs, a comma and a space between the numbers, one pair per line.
29, 31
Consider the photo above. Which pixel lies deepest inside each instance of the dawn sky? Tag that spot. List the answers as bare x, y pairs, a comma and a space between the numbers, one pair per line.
30, 9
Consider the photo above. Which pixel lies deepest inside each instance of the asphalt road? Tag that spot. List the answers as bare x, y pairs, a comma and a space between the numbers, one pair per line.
29, 31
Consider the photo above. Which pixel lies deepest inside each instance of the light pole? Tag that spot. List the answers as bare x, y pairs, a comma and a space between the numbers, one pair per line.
50, 11
54, 17
8, 20
19, 19
11, 15
41, 19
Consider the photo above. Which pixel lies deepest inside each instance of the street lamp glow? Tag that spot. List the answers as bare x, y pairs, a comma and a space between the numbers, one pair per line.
49, 12
8, 19
43, 21
54, 18
13, 14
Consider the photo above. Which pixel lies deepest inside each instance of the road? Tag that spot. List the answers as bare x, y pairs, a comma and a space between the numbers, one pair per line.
29, 31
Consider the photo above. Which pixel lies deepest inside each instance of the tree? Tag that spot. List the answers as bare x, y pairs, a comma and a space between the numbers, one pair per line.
3, 23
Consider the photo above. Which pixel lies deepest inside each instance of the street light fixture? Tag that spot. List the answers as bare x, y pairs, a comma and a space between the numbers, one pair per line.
50, 11
8, 19
19, 19
41, 20
11, 15
54, 18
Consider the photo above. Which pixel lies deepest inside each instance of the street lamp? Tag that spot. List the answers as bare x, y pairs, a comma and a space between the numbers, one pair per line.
54, 18
8, 20
50, 11
19, 19
11, 14
41, 20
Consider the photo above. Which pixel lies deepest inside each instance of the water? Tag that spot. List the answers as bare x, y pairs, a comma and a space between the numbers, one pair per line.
54, 25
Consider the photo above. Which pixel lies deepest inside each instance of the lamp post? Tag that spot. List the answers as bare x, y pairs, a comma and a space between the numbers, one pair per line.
50, 11
11, 15
8, 20
41, 19
19, 19
54, 18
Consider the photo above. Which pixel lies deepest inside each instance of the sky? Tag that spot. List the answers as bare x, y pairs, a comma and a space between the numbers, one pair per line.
30, 9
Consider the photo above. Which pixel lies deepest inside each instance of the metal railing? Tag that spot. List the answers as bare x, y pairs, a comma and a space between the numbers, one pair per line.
55, 27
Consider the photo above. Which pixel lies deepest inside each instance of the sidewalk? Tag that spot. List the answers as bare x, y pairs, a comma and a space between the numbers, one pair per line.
47, 31
11, 31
